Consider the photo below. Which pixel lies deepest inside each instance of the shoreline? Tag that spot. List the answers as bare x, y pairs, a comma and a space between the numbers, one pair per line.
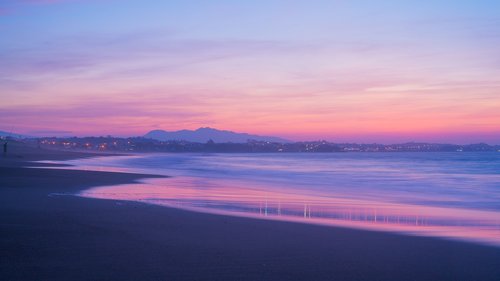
77, 238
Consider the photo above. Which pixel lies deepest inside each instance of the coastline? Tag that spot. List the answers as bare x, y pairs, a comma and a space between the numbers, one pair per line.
74, 238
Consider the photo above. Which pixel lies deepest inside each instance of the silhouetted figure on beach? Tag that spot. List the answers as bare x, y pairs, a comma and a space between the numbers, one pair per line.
5, 149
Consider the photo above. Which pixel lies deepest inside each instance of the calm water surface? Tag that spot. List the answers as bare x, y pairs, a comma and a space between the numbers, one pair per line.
452, 195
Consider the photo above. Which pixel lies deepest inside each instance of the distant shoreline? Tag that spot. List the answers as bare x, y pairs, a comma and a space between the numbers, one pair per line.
140, 144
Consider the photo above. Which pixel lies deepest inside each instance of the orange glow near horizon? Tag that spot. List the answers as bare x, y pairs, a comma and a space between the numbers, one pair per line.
370, 118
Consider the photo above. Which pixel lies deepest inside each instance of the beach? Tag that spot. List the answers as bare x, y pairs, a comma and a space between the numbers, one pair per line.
47, 233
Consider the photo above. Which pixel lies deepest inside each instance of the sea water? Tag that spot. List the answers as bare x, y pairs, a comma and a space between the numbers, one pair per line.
451, 195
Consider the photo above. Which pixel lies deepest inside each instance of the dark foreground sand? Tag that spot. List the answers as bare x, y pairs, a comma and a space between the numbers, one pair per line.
45, 237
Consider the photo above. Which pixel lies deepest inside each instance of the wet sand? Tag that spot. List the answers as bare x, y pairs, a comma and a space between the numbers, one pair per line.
47, 234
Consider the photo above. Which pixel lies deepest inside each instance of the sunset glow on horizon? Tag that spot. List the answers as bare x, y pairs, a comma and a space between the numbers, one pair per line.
341, 71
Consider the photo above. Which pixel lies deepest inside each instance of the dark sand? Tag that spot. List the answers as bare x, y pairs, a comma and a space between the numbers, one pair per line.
46, 237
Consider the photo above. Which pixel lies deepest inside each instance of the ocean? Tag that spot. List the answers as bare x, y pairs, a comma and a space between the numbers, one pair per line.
452, 195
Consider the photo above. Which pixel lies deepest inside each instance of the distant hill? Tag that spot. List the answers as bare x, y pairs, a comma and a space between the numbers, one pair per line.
6, 134
203, 135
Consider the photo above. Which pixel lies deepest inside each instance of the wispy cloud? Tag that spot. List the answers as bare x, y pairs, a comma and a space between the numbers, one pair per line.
403, 88
148, 55
83, 53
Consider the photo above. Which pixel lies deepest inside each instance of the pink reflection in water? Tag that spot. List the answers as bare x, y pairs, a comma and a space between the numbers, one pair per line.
236, 198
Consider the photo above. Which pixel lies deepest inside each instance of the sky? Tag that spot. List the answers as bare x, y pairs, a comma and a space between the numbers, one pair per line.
344, 71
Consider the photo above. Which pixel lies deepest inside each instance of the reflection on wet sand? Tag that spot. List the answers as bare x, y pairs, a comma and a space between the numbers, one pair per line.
234, 198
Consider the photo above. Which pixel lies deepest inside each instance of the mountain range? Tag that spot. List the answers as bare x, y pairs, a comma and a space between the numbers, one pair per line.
205, 134
7, 134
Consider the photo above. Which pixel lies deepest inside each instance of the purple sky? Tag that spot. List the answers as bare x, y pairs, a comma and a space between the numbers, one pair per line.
364, 71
